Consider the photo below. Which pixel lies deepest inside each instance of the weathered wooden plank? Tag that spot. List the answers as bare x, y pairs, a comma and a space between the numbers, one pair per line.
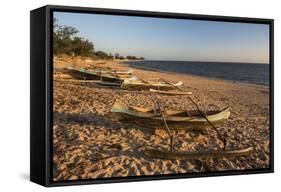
180, 155
170, 92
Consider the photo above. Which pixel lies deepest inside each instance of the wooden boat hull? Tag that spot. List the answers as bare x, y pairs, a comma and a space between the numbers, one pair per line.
128, 72
157, 123
125, 114
109, 70
180, 155
92, 75
113, 73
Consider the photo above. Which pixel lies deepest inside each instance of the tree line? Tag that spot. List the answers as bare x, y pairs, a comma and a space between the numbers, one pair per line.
67, 42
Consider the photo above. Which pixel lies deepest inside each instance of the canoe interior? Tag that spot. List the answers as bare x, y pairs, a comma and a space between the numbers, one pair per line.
147, 122
194, 113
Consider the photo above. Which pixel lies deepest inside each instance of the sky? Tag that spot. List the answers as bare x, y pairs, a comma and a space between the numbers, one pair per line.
172, 39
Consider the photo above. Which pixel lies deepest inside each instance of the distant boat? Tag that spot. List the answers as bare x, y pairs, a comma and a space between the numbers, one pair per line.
86, 74
134, 83
110, 70
176, 119
129, 72
108, 73
140, 84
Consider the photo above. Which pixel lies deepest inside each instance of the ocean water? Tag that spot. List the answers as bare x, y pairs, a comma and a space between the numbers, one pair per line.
251, 73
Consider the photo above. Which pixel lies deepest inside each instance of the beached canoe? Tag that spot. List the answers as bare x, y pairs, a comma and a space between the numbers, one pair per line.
85, 74
107, 73
140, 84
128, 72
181, 155
170, 92
145, 117
110, 70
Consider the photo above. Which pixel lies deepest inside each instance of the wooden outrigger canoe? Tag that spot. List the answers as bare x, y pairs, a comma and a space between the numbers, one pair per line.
170, 92
133, 83
85, 74
181, 155
106, 73
128, 72
145, 117
140, 84
110, 70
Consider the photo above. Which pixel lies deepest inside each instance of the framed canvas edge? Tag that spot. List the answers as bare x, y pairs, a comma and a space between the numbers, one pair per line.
49, 81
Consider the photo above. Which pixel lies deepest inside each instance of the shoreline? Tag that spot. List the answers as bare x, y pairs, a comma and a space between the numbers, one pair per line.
192, 75
124, 66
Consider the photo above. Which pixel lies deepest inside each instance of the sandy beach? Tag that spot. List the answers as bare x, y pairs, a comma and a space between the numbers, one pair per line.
88, 145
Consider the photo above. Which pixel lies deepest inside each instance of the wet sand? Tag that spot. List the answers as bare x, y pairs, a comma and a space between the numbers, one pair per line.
87, 145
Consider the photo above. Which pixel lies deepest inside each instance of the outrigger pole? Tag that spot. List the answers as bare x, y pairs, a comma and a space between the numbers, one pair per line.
201, 113
162, 111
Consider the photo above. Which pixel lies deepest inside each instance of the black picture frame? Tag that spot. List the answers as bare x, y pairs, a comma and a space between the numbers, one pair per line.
41, 65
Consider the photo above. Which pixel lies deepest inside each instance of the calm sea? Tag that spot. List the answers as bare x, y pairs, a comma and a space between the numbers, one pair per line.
238, 72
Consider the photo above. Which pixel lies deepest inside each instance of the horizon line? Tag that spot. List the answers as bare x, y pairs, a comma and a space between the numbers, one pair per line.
199, 61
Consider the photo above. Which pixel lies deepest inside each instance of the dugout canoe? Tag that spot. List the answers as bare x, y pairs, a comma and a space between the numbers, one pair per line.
141, 84
176, 119
85, 74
